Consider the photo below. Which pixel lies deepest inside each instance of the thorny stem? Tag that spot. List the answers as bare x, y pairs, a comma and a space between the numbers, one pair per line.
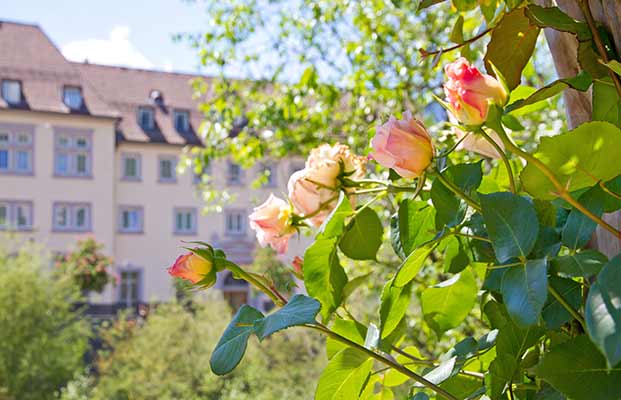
503, 156
425, 53
567, 306
601, 49
384, 360
561, 191
451, 186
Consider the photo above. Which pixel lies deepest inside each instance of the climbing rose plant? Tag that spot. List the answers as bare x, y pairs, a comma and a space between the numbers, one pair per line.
513, 230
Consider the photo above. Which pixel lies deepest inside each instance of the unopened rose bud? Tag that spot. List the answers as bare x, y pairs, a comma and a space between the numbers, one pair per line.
272, 223
469, 92
191, 267
403, 145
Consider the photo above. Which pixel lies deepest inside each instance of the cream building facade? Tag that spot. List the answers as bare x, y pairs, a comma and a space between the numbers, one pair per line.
93, 151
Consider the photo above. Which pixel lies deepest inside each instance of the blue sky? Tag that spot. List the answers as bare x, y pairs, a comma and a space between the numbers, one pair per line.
135, 33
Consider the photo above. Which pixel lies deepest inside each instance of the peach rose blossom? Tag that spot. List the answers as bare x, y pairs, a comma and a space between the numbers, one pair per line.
191, 267
469, 92
272, 223
403, 145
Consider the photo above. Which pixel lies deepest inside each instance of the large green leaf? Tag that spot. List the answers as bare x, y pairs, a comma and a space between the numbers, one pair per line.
455, 257
580, 265
394, 303
554, 314
363, 236
351, 330
334, 225
450, 210
603, 311
232, 345
579, 228
324, 276
579, 371
578, 159
511, 223
395, 378
511, 46
344, 376
299, 310
606, 102
412, 264
412, 226
524, 290
501, 372
553, 17
448, 303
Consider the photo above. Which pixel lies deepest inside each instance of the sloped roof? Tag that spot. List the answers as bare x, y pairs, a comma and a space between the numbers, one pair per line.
28, 55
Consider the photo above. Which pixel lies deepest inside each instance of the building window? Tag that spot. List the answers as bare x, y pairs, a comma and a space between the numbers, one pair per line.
12, 92
130, 167
16, 152
72, 217
182, 121
72, 97
167, 169
72, 154
129, 287
131, 219
270, 172
235, 223
16, 215
234, 174
199, 172
185, 221
146, 118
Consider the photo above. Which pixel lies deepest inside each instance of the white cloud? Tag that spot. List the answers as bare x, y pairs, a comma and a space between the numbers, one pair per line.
115, 50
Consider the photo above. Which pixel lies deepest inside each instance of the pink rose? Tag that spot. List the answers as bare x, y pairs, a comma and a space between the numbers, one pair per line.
191, 268
272, 222
469, 92
314, 190
403, 145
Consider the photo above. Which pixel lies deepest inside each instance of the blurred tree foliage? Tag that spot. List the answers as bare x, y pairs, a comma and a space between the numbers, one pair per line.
167, 357
42, 339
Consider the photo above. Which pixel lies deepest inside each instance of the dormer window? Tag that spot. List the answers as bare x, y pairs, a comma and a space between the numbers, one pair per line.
12, 92
146, 118
72, 97
182, 121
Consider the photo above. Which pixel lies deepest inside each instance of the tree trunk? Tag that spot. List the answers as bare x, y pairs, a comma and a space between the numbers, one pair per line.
563, 47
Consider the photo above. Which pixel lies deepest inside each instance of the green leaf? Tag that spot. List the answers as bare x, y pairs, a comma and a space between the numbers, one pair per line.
412, 265
554, 314
232, 345
606, 102
354, 284
299, 310
588, 58
579, 228
363, 236
344, 376
324, 276
412, 226
455, 256
578, 159
501, 372
511, 223
578, 370
350, 329
393, 377
580, 265
553, 17
511, 46
524, 290
440, 373
448, 303
450, 210
603, 312
580, 82
427, 3
614, 66
457, 33
394, 303
334, 225
548, 243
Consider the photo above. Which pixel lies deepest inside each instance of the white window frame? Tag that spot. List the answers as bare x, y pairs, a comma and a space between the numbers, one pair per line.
138, 158
139, 117
12, 208
71, 209
241, 216
127, 301
185, 114
72, 150
192, 212
6, 93
13, 147
67, 92
234, 179
140, 219
173, 169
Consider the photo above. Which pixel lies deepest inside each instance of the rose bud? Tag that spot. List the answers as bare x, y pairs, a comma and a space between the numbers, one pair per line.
403, 145
314, 189
469, 92
272, 222
298, 266
192, 268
